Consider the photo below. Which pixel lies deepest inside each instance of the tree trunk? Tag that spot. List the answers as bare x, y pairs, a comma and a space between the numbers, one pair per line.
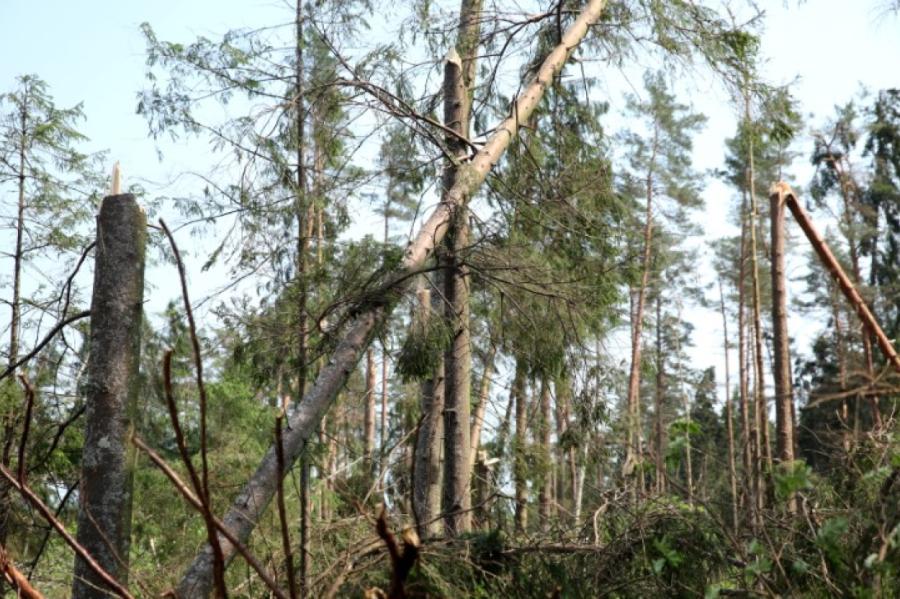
520, 467
369, 420
459, 81
759, 384
729, 416
253, 499
10, 418
104, 514
658, 402
633, 448
429, 441
545, 497
484, 392
784, 396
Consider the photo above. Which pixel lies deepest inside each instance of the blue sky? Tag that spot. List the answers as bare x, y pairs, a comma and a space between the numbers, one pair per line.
92, 52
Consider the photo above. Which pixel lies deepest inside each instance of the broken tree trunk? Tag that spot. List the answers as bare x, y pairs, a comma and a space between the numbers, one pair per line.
784, 395
104, 515
459, 83
252, 501
843, 281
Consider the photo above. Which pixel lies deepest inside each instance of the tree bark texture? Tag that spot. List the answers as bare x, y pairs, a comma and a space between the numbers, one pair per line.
104, 514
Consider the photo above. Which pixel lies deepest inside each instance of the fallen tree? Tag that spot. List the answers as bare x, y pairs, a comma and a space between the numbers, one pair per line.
254, 498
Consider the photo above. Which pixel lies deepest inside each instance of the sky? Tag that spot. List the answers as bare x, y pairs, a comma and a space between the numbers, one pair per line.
93, 52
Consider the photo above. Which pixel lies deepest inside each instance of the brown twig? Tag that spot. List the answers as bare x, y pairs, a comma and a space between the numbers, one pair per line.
282, 512
45, 512
37, 348
189, 496
202, 492
206, 512
16, 578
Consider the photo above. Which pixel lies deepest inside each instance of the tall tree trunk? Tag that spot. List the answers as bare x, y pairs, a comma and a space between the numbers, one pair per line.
784, 395
545, 496
749, 421
520, 465
429, 441
303, 218
842, 368
251, 502
107, 465
10, 418
729, 416
484, 391
759, 384
658, 402
369, 420
459, 82
565, 457
633, 449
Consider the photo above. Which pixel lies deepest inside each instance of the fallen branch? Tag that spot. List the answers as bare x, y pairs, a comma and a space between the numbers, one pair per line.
16, 578
79, 550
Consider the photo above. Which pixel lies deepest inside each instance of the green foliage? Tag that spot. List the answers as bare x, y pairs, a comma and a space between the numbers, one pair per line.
423, 348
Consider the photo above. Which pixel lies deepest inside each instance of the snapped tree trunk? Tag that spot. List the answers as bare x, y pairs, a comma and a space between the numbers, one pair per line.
104, 514
251, 502
459, 82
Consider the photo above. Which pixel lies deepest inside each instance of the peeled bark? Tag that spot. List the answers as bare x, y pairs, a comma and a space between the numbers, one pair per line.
252, 501
104, 514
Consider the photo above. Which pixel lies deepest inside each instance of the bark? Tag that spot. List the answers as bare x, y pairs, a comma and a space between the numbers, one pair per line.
784, 396
520, 466
429, 441
104, 515
253, 499
459, 80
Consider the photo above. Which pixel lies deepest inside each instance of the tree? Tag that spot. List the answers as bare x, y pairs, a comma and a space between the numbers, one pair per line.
660, 171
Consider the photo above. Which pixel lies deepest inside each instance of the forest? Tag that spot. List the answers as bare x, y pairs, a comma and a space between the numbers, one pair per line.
449, 299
